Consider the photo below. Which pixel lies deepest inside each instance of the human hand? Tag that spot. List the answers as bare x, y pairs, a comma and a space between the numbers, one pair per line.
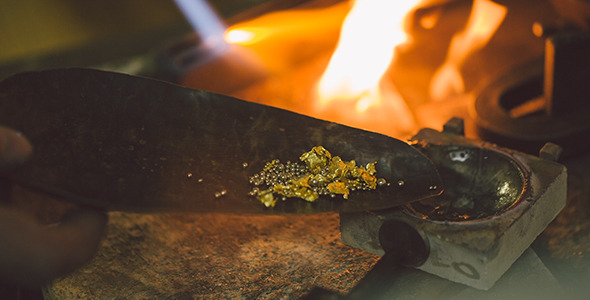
32, 254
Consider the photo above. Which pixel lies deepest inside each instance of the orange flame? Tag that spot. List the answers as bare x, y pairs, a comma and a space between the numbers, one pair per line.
485, 18
370, 33
352, 89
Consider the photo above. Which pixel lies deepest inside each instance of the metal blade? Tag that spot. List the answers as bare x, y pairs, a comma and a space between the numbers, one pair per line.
121, 142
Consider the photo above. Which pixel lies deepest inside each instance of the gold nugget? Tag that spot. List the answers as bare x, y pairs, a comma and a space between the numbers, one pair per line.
319, 175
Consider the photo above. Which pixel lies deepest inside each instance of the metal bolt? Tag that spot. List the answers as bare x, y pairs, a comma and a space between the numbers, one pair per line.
550, 152
454, 125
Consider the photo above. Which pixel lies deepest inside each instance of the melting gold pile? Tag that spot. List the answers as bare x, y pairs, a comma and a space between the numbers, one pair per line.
322, 174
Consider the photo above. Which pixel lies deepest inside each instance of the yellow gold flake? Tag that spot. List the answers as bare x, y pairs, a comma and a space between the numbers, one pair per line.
338, 187
321, 174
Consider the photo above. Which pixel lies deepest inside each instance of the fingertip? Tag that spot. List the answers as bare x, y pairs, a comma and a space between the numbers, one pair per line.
14, 148
71, 244
80, 231
32, 254
87, 221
